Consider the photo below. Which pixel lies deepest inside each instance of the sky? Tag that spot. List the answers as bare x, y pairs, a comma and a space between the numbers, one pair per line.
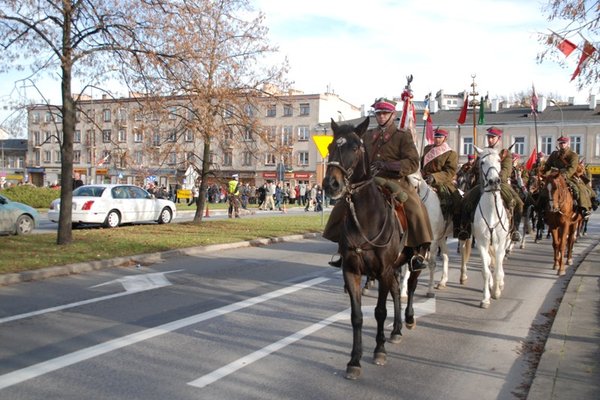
362, 50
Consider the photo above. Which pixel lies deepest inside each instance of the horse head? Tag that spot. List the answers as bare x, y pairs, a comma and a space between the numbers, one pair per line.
489, 168
348, 162
559, 198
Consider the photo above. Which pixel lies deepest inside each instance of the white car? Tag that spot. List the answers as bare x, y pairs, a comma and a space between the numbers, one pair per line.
113, 205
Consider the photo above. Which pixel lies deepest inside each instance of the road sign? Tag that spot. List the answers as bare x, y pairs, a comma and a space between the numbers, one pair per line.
322, 142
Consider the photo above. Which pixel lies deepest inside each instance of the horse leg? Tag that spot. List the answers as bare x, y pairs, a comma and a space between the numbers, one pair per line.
465, 255
409, 313
498, 284
563, 236
435, 246
352, 282
556, 248
444, 280
385, 282
485, 272
396, 334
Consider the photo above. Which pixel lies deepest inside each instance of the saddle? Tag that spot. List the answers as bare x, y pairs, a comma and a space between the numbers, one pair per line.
394, 196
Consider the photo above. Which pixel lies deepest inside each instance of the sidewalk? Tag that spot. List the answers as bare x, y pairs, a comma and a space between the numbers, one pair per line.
570, 365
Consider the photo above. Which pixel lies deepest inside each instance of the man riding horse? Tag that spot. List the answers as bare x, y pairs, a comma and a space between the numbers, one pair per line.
566, 161
439, 164
393, 156
511, 199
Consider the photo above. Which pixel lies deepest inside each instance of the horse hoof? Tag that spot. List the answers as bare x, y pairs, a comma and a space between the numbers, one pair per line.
352, 373
484, 304
555, 267
430, 295
365, 291
463, 280
560, 272
411, 325
440, 286
395, 338
379, 359
570, 261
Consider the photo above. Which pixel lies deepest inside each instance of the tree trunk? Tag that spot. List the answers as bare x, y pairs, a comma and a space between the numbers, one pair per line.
204, 182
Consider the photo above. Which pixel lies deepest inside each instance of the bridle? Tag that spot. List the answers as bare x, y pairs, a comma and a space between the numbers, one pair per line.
498, 205
484, 176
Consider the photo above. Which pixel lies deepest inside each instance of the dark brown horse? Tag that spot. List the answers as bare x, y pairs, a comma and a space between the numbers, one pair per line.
370, 242
562, 220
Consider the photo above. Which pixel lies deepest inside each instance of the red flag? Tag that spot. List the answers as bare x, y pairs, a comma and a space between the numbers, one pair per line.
534, 100
429, 129
588, 50
566, 47
531, 160
463, 112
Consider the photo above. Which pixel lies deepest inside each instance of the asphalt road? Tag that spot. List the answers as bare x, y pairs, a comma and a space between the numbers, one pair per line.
267, 323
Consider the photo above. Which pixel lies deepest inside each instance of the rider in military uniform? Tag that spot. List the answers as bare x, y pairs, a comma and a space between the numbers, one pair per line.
393, 157
566, 161
511, 199
439, 164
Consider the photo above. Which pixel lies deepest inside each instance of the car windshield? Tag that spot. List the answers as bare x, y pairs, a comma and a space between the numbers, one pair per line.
89, 191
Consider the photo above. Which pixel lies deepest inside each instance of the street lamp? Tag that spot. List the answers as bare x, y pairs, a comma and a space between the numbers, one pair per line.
320, 128
562, 119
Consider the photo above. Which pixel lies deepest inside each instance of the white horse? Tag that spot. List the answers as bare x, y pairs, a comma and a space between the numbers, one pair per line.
441, 229
491, 225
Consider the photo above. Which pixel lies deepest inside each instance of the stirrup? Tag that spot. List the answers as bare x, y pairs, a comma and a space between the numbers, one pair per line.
417, 263
336, 263
515, 236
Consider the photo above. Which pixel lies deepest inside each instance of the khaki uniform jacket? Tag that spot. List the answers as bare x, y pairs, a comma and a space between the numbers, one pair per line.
567, 162
442, 168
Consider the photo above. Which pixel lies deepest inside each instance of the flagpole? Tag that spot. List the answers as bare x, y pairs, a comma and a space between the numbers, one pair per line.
474, 103
425, 116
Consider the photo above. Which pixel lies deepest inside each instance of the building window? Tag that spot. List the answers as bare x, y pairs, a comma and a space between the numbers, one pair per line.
271, 132
270, 159
48, 138
287, 136
288, 111
227, 158
106, 136
90, 138
138, 136
597, 149
172, 135
122, 115
76, 156
57, 156
48, 117
229, 112
156, 139
303, 133
576, 145
37, 138
249, 110
106, 115
547, 145
138, 157
189, 136
122, 135
35, 118
248, 135
272, 110
36, 156
172, 158
303, 158
173, 112
47, 156
77, 136
467, 145
247, 158
519, 145
304, 109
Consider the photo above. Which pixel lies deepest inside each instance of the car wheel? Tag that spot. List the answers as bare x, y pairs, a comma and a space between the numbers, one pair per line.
113, 219
24, 225
165, 216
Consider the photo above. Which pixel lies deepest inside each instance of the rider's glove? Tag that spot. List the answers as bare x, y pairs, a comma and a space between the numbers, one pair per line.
429, 179
377, 166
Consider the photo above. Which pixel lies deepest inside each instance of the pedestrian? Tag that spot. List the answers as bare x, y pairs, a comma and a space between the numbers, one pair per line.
233, 196
269, 196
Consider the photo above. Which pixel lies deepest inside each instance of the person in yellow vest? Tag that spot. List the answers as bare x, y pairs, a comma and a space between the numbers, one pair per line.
233, 196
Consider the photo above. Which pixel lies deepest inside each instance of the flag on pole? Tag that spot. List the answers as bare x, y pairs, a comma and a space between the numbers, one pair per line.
531, 160
429, 129
588, 50
408, 119
101, 162
463, 112
566, 47
481, 112
534, 100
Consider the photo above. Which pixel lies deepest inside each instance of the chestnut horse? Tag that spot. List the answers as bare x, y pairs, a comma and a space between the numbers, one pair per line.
562, 220
370, 242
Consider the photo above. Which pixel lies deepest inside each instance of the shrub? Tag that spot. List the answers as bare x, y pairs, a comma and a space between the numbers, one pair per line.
36, 197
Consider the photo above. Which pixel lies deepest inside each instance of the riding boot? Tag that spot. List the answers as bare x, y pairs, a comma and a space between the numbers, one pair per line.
456, 224
465, 225
419, 261
515, 236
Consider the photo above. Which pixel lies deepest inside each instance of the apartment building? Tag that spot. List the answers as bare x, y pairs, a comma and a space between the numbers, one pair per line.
129, 140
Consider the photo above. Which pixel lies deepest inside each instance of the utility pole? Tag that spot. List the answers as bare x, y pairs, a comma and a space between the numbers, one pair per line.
474, 103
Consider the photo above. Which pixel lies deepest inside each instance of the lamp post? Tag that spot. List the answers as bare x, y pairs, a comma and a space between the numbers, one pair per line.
474, 104
562, 119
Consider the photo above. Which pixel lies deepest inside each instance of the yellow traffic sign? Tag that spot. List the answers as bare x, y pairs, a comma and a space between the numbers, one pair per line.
322, 142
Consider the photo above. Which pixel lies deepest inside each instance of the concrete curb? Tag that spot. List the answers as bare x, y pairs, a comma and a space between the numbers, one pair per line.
141, 259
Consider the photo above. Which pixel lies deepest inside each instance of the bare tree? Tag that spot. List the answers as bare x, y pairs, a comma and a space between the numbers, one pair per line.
89, 40
225, 71
581, 21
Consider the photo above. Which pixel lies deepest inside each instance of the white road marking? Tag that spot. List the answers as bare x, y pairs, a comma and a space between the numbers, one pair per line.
22, 375
421, 309
132, 284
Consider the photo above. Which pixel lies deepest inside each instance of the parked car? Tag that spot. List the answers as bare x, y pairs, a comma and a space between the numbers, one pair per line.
113, 205
17, 218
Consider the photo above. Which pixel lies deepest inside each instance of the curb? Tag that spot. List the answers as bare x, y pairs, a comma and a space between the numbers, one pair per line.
140, 259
